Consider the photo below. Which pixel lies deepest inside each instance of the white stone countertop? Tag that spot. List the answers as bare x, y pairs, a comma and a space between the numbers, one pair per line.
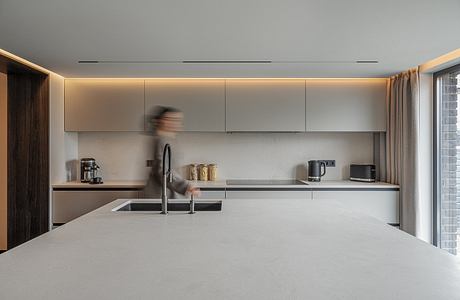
336, 184
253, 249
106, 184
350, 184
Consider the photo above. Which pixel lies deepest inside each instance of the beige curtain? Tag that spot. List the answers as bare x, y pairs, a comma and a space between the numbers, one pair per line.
402, 140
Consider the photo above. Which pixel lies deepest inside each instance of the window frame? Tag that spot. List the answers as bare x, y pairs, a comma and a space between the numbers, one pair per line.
436, 154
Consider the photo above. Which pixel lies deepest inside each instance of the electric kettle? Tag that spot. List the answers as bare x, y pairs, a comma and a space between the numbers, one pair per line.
314, 170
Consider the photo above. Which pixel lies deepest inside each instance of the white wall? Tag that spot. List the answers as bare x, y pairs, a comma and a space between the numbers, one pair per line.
122, 156
426, 156
63, 145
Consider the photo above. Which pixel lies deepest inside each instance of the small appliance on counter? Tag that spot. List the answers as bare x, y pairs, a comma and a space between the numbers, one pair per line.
89, 171
362, 172
314, 170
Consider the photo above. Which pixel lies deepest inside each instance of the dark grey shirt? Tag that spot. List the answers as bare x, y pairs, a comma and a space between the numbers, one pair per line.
153, 186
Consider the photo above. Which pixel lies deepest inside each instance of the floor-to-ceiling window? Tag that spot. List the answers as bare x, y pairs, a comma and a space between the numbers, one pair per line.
447, 160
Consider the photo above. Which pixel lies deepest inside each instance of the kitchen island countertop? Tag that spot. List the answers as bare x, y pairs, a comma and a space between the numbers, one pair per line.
253, 249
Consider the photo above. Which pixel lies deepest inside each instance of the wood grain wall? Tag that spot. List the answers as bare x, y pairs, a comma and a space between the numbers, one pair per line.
3, 162
28, 156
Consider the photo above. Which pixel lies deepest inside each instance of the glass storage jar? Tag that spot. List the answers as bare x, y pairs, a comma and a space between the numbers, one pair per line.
193, 172
204, 172
212, 170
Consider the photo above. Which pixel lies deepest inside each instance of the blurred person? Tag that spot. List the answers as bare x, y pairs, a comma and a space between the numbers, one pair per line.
167, 122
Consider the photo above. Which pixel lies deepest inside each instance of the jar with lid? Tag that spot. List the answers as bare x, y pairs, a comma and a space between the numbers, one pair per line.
204, 172
193, 172
212, 170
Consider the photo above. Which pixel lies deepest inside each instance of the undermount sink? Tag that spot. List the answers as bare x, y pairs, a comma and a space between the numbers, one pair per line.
172, 206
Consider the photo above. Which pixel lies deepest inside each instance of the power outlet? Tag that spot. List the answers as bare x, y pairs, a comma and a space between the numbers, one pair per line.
330, 163
149, 163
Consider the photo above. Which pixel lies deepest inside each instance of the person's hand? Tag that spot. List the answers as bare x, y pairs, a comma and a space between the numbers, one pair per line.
194, 191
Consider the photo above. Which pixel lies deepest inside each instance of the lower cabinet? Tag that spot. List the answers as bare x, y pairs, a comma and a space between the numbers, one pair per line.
217, 194
268, 194
69, 205
383, 205
212, 195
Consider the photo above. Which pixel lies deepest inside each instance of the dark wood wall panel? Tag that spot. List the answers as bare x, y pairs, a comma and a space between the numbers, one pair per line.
3, 162
28, 156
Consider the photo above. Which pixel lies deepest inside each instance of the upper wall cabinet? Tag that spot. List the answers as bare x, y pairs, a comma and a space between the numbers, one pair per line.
104, 105
265, 105
202, 101
346, 106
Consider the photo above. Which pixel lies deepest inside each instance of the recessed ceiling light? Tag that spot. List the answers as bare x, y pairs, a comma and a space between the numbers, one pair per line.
228, 61
367, 61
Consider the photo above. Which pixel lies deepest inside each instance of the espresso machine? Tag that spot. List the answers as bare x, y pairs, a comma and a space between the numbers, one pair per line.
89, 171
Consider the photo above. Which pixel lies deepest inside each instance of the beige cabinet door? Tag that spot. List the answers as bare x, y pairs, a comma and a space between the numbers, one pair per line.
202, 101
68, 205
383, 205
219, 195
346, 106
268, 194
265, 105
104, 105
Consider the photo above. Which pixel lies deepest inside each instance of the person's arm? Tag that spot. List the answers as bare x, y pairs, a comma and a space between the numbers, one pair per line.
178, 184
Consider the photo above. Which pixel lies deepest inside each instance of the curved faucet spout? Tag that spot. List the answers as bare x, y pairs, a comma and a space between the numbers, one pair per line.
167, 153
167, 175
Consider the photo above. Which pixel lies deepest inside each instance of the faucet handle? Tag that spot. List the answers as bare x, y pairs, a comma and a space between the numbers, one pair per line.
192, 204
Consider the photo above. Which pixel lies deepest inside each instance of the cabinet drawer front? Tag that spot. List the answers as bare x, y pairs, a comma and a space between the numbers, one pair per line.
206, 195
268, 195
212, 195
265, 105
383, 205
68, 205
201, 101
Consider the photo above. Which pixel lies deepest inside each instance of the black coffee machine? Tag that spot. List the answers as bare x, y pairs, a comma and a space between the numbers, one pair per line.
314, 170
89, 171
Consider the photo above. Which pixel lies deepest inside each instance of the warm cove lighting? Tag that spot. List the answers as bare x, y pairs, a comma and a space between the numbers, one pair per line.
433, 65
329, 80
26, 62
322, 79
442, 61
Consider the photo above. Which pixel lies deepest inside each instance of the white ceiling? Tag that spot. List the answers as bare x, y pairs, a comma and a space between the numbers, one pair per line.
400, 34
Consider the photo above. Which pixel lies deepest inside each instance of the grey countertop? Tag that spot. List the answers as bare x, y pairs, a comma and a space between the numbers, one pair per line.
253, 249
333, 184
117, 184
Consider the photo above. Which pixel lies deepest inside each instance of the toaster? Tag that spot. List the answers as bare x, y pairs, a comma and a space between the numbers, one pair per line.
362, 172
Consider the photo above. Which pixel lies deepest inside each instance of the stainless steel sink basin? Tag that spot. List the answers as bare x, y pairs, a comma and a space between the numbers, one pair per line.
172, 206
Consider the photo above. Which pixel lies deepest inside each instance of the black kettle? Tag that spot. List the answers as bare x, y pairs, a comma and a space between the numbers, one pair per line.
314, 170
